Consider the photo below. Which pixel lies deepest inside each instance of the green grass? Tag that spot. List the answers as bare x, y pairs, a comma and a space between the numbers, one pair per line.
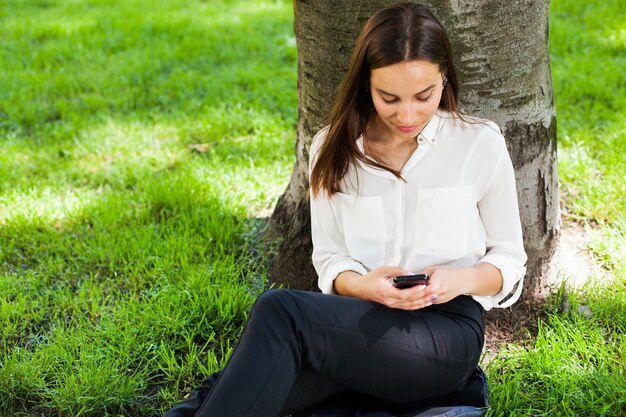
574, 367
128, 262
588, 45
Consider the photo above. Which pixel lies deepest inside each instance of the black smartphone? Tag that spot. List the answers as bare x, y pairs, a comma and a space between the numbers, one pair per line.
406, 281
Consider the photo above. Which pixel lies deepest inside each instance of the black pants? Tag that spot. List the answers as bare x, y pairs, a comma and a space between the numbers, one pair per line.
300, 348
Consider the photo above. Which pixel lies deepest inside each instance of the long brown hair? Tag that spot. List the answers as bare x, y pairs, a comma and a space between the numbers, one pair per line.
402, 32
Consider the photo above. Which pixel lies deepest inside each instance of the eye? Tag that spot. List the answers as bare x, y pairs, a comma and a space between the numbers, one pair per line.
426, 99
389, 100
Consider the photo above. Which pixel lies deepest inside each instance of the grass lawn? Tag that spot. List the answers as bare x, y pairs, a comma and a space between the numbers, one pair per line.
127, 259
125, 271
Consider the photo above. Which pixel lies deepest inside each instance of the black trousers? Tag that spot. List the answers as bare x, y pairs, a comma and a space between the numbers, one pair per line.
300, 348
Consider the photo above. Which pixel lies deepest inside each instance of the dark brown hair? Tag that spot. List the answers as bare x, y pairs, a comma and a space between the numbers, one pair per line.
399, 33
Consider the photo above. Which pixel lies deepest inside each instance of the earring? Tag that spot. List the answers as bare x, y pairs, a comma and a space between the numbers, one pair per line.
445, 81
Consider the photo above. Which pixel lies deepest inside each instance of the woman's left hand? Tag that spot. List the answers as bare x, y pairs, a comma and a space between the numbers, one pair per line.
445, 284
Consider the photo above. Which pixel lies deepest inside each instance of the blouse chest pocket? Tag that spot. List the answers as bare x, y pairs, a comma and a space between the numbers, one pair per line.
444, 219
363, 223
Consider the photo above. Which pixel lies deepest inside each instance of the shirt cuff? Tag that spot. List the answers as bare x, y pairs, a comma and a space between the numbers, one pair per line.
512, 282
325, 283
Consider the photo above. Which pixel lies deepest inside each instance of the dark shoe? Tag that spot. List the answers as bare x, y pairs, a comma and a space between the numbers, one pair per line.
192, 403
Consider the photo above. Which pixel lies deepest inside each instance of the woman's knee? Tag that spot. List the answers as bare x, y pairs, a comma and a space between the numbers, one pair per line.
272, 300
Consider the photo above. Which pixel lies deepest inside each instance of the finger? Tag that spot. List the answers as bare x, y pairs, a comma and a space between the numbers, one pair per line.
407, 294
427, 299
419, 306
415, 290
410, 305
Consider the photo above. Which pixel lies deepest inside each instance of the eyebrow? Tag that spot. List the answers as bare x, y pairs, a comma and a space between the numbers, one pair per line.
417, 94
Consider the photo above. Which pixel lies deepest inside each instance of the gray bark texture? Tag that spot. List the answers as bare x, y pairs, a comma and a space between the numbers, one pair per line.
502, 58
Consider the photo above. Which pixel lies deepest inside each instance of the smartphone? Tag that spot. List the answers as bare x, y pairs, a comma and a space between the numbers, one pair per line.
406, 281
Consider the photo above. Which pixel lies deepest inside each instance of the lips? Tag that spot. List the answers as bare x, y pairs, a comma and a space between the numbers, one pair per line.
406, 129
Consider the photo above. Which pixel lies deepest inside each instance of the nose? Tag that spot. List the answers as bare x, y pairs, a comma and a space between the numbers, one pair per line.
407, 113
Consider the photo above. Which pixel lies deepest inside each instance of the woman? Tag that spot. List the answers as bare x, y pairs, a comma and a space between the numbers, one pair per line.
401, 183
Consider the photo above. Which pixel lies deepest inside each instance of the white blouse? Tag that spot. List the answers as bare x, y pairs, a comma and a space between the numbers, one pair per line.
457, 207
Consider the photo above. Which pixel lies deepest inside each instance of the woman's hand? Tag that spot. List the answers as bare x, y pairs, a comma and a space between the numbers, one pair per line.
447, 283
377, 286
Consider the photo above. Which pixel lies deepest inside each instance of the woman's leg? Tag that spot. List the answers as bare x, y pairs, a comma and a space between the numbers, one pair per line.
191, 404
309, 388
390, 354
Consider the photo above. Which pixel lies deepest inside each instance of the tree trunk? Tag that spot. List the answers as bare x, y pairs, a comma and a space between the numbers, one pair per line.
501, 53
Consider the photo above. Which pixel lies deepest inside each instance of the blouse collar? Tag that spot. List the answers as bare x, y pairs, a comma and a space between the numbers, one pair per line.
427, 137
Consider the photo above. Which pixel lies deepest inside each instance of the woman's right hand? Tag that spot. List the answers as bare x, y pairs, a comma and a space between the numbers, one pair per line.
377, 286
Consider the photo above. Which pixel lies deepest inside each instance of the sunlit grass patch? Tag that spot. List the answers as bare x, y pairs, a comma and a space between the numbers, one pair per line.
588, 60
609, 243
165, 58
592, 182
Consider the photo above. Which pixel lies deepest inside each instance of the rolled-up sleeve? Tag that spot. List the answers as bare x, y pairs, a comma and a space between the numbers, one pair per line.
330, 255
499, 213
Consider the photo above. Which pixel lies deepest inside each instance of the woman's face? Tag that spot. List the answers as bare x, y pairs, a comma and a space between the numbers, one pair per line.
406, 96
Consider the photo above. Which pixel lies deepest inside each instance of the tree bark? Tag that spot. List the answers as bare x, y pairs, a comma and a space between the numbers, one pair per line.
502, 57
